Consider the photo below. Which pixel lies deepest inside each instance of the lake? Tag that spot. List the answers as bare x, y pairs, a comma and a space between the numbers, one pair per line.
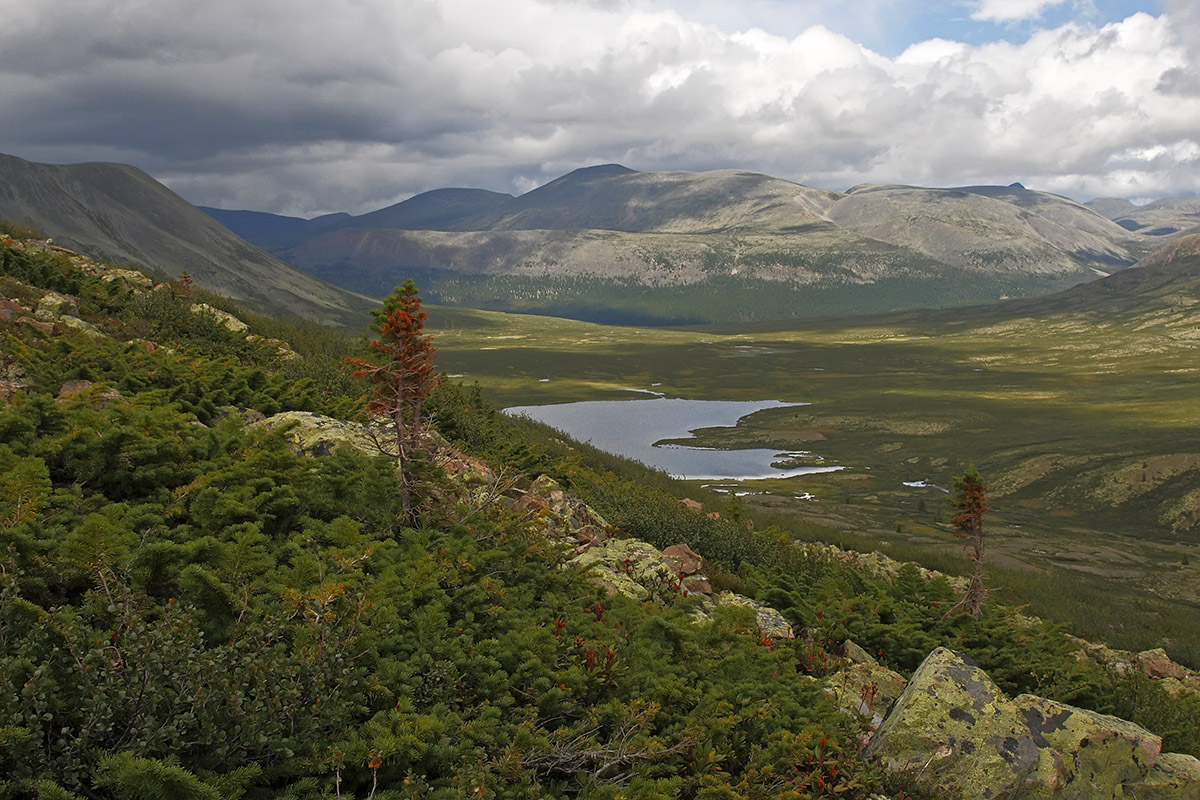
633, 428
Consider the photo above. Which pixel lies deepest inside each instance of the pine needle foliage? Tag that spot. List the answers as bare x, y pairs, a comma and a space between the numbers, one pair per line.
402, 378
970, 505
188, 608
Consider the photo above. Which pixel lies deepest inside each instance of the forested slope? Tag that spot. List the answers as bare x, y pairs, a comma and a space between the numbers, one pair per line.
190, 606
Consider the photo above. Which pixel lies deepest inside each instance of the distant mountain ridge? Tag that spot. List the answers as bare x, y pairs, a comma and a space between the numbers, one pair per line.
1170, 215
121, 213
608, 243
599, 242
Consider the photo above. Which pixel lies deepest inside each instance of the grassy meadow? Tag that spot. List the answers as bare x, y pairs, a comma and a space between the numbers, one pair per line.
1085, 426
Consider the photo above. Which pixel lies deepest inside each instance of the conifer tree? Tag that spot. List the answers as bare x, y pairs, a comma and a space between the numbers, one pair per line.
971, 504
402, 379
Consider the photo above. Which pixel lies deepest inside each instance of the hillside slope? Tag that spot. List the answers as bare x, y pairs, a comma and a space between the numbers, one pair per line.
121, 212
213, 588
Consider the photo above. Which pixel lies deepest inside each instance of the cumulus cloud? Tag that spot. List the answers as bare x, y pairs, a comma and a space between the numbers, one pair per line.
302, 106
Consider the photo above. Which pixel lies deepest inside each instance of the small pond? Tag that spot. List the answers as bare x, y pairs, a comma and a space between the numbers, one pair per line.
633, 428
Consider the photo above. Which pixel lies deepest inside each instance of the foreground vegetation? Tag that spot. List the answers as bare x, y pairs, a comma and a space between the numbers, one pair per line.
190, 609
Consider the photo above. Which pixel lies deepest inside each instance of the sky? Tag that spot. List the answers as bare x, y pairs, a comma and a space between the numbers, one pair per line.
305, 107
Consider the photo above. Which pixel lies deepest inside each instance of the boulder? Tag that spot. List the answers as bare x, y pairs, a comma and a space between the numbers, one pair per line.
100, 397
1175, 776
131, 278
11, 310
37, 325
12, 380
223, 318
1157, 664
67, 322
312, 434
628, 567
771, 624
954, 727
1082, 751
692, 505
684, 559
53, 305
855, 654
866, 690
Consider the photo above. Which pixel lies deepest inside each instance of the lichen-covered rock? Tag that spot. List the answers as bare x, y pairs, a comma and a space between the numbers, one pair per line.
283, 350
877, 564
567, 512
771, 624
1085, 754
628, 567
53, 305
867, 690
67, 322
312, 434
855, 654
1155, 664
954, 726
224, 318
132, 278
1174, 777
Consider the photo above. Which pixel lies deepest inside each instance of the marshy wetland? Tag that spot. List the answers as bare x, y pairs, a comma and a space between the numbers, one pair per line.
1086, 427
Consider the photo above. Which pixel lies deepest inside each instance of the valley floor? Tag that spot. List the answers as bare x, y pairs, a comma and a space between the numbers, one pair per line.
1083, 425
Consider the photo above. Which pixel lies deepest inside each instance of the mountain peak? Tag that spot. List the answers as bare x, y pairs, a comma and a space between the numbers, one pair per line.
599, 171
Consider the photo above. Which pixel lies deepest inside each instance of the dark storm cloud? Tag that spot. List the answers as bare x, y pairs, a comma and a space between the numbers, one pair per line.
302, 106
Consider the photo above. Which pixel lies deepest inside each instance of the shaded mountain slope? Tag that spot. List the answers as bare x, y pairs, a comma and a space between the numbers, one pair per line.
440, 209
1162, 288
122, 213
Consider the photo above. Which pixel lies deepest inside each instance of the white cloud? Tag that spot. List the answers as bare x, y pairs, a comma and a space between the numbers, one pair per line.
286, 105
1012, 10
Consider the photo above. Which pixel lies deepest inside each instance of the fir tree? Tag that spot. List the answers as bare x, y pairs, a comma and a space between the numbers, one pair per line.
402, 380
971, 504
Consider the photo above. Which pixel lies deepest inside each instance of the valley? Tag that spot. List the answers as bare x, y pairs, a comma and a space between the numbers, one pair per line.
1083, 423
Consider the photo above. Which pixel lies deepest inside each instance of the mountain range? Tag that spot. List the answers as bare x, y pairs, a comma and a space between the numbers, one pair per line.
613, 244
120, 213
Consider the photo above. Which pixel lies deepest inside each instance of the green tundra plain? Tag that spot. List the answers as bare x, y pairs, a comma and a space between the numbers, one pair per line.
1084, 425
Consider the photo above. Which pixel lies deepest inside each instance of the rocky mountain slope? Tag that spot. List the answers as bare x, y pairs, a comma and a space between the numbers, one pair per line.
120, 212
1164, 217
591, 238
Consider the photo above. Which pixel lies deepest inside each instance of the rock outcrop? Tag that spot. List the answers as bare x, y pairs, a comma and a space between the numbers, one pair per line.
223, 318
1154, 664
310, 434
954, 728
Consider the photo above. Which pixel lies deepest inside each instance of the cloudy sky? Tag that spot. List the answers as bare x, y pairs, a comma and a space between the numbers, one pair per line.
309, 106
